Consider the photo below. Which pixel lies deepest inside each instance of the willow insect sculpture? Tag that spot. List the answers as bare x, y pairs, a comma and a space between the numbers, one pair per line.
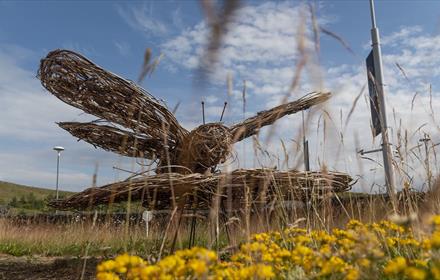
134, 123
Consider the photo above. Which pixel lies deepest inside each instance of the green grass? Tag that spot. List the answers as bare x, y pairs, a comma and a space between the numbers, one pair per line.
79, 239
10, 190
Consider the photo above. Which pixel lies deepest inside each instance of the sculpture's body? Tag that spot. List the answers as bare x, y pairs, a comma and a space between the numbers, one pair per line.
133, 123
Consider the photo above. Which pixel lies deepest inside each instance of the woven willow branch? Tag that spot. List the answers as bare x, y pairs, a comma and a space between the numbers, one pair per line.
79, 82
252, 125
271, 183
116, 140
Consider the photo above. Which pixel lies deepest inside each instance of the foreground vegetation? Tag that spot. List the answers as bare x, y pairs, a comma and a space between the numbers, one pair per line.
320, 245
383, 250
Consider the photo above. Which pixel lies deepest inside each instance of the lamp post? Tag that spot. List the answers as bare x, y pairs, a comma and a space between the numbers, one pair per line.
58, 149
379, 84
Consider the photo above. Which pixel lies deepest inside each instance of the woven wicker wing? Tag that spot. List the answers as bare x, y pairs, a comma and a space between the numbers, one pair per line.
79, 82
265, 185
116, 140
252, 125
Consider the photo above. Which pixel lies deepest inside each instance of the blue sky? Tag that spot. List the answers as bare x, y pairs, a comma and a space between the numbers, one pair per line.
261, 49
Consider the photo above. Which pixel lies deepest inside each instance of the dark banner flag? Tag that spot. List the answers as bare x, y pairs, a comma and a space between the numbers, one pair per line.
374, 103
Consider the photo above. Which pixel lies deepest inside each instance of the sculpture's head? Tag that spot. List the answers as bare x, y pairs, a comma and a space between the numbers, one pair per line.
207, 145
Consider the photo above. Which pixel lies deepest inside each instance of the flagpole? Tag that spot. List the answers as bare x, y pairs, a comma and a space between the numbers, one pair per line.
386, 148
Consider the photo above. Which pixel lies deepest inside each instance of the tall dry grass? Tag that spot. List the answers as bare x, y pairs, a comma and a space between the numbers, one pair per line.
73, 239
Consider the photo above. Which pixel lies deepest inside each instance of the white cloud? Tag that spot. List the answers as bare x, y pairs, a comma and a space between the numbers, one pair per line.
403, 34
123, 48
142, 18
27, 110
211, 99
258, 34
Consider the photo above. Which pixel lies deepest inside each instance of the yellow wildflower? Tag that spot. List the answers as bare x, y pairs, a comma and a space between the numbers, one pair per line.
199, 267
122, 260
395, 266
149, 272
106, 266
426, 244
353, 224
421, 263
265, 271
435, 240
364, 262
107, 276
435, 220
391, 241
352, 274
414, 273
435, 271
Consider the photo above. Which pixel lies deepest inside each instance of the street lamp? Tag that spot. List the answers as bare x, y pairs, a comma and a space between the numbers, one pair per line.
59, 149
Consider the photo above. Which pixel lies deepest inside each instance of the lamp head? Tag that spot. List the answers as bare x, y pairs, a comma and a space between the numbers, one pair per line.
58, 149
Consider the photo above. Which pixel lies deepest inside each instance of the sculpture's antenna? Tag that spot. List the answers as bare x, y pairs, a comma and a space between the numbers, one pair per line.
203, 111
244, 98
223, 112
176, 107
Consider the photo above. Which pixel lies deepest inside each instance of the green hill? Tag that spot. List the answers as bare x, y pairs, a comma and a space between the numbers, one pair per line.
21, 199
10, 190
